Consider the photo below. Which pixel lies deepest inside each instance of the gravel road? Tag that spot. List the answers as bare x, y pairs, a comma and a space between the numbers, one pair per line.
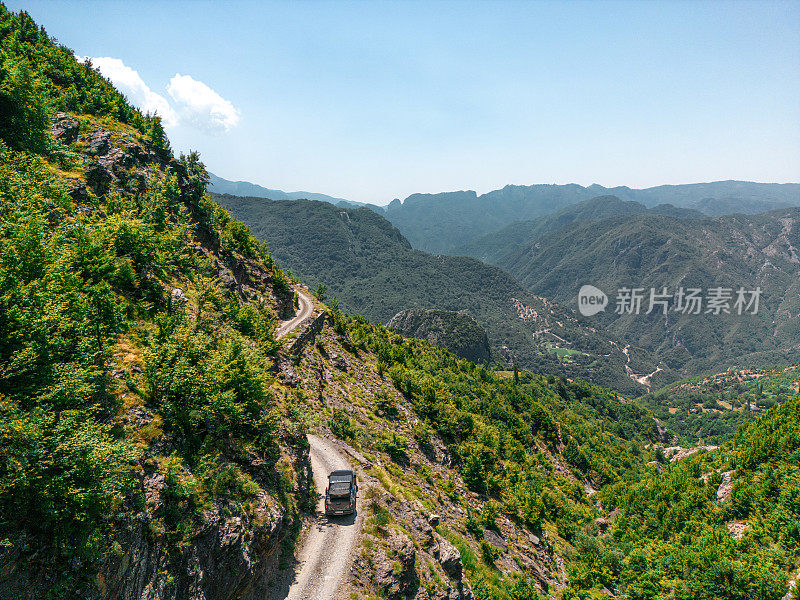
325, 555
305, 308
322, 560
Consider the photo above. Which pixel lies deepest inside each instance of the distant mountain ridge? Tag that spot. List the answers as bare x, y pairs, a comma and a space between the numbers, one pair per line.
218, 185
442, 223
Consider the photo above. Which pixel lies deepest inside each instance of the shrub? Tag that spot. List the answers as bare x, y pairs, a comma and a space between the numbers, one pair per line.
386, 403
396, 446
474, 473
489, 553
342, 426
423, 436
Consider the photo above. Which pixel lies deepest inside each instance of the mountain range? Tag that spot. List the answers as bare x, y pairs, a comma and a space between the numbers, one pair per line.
655, 251
373, 271
450, 222
606, 241
443, 223
491, 247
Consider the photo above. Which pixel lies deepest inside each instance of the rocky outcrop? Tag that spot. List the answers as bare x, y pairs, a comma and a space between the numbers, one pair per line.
230, 553
309, 334
725, 487
456, 331
664, 435
111, 160
395, 571
233, 550
676, 453
738, 529
66, 128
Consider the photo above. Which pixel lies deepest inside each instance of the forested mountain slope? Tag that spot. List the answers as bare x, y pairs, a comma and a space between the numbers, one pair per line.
372, 270
491, 248
141, 447
649, 251
557, 493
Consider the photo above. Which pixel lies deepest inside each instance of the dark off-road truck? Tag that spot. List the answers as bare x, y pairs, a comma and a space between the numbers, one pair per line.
340, 495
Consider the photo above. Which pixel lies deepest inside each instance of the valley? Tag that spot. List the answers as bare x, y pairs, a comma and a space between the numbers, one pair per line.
372, 270
181, 370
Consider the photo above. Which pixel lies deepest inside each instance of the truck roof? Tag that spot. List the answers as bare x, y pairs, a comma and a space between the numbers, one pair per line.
344, 476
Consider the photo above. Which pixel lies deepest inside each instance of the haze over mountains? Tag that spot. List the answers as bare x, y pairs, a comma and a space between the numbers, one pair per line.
443, 223
218, 185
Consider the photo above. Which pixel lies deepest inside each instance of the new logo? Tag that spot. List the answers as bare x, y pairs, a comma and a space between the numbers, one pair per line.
591, 300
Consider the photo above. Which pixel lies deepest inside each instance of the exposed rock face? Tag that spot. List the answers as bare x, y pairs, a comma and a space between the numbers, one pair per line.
98, 177
66, 128
395, 571
98, 142
664, 435
676, 453
724, 489
230, 553
450, 559
228, 556
738, 529
456, 331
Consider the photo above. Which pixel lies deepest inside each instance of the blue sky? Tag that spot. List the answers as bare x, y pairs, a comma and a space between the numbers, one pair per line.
375, 100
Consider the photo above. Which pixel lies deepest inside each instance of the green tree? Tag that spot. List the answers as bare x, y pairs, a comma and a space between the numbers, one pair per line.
320, 292
24, 106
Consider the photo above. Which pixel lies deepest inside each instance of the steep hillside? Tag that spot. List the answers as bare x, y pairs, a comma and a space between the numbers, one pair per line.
646, 251
541, 487
141, 449
492, 247
370, 268
475, 480
716, 525
443, 223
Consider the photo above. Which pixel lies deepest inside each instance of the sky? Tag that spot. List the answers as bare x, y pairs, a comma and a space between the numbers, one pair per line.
372, 101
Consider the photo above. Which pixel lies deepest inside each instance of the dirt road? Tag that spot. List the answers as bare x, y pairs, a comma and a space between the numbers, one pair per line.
305, 308
325, 554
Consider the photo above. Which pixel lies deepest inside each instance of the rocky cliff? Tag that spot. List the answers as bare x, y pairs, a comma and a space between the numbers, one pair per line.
456, 331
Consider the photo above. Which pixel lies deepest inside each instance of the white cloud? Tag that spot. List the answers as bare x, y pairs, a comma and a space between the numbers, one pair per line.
201, 106
133, 86
195, 104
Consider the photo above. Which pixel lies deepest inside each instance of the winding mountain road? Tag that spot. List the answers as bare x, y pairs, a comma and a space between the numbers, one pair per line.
305, 309
323, 558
